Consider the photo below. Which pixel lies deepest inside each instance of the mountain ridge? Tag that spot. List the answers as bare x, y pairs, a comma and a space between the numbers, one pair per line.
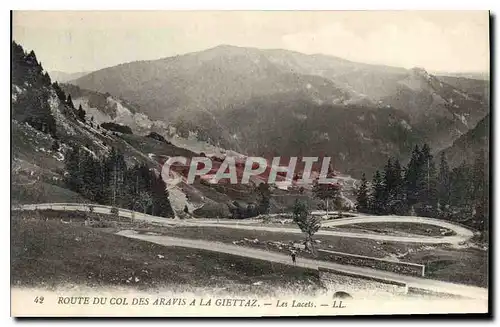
198, 92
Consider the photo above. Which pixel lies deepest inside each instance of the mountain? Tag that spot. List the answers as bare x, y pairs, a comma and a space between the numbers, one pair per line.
483, 76
355, 136
48, 129
206, 92
467, 147
475, 86
103, 108
45, 125
63, 77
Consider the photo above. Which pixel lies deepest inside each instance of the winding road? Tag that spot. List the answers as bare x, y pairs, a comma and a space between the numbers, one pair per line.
461, 234
421, 283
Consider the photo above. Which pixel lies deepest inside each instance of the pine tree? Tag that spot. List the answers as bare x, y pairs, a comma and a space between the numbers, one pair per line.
479, 176
398, 203
81, 113
114, 173
388, 183
46, 79
69, 102
461, 186
377, 194
143, 201
412, 176
480, 191
90, 179
264, 194
428, 181
73, 176
59, 92
362, 200
161, 202
444, 183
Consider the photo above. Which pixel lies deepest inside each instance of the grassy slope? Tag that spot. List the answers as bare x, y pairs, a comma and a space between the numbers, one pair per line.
467, 266
41, 192
50, 253
410, 228
342, 244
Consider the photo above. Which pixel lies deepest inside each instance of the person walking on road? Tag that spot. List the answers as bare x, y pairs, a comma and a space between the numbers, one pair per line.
293, 254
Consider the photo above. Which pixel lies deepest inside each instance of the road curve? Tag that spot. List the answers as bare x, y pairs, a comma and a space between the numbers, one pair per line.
461, 234
422, 283
427, 284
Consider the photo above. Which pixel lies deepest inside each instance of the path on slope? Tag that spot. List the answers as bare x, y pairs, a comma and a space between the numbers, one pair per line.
461, 234
427, 284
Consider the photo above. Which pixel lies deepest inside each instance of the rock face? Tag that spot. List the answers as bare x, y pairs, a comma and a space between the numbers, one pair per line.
468, 146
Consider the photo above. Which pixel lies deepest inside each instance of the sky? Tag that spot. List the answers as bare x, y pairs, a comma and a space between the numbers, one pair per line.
76, 41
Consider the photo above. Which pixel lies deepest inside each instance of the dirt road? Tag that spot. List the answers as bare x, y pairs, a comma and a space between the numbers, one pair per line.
461, 234
427, 284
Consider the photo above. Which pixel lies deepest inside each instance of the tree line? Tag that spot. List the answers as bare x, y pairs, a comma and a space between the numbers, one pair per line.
109, 181
31, 105
422, 189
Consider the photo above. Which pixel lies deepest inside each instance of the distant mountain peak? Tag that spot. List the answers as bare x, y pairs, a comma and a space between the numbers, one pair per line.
63, 77
226, 47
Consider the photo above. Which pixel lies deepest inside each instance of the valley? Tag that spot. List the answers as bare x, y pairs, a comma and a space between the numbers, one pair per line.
88, 178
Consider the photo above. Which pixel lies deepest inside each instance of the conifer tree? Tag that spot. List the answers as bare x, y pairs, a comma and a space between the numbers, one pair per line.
114, 172
81, 113
444, 182
264, 194
73, 177
480, 191
388, 183
428, 181
362, 199
90, 180
69, 102
59, 92
161, 202
377, 195
412, 176
461, 195
398, 204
